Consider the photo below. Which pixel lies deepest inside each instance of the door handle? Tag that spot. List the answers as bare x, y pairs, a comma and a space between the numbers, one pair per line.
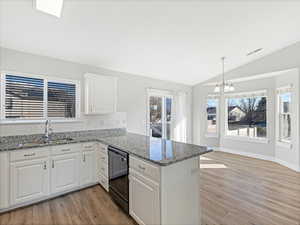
28, 155
52, 163
142, 168
45, 165
83, 157
123, 159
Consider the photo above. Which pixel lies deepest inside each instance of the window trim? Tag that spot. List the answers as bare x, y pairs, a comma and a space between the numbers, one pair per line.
280, 90
212, 134
257, 93
46, 79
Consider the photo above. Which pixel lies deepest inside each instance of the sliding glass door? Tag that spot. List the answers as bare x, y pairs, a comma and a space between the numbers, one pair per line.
160, 116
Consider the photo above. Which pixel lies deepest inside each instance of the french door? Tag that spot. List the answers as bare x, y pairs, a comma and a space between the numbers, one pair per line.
160, 115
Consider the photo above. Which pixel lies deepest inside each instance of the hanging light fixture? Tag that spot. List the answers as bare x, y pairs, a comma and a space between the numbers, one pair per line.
224, 86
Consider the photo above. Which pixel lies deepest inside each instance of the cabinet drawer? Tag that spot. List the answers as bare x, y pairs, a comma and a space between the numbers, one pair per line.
103, 148
103, 169
103, 181
145, 168
64, 149
103, 158
34, 153
89, 146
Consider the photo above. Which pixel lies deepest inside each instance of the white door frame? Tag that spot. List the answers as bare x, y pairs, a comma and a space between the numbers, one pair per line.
163, 94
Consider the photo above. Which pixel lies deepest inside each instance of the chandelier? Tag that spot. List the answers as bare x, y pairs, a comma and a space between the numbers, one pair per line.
224, 86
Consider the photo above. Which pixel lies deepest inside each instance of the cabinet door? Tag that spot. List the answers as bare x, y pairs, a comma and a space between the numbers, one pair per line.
101, 94
144, 204
64, 172
87, 167
105, 95
4, 180
29, 180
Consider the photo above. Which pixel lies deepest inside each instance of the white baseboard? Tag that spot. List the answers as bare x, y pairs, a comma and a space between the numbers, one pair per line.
259, 156
48, 197
287, 164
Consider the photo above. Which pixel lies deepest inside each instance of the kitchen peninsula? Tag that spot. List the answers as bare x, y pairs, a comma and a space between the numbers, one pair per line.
163, 174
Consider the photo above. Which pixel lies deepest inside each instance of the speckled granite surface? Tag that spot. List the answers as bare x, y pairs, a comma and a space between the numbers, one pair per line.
159, 151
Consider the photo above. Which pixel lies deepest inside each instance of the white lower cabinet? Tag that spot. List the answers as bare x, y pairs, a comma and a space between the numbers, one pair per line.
35, 174
144, 192
144, 200
102, 166
4, 180
64, 172
29, 180
87, 167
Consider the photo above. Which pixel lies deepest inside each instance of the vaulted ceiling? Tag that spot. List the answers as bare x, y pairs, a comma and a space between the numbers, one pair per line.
180, 41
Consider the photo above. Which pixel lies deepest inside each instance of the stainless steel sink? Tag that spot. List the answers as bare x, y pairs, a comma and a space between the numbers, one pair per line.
60, 140
42, 142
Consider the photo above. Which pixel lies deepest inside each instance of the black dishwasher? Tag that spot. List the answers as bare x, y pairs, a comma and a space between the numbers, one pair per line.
118, 177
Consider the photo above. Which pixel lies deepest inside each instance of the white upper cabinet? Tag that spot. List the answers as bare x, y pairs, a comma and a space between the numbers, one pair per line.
100, 94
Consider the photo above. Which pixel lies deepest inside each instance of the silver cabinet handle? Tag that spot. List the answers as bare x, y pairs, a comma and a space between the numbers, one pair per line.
28, 155
142, 168
45, 165
66, 150
52, 163
83, 157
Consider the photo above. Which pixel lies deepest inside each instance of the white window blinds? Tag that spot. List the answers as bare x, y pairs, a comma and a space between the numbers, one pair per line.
61, 100
24, 97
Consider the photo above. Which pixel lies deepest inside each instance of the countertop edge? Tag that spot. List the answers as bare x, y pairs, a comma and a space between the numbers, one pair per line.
104, 142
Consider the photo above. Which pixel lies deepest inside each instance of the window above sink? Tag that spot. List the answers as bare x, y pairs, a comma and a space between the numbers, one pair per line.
30, 98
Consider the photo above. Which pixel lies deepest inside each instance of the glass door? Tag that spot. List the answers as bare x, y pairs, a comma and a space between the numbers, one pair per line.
160, 116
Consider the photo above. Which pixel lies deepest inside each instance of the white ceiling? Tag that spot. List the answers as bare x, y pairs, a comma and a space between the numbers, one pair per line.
180, 41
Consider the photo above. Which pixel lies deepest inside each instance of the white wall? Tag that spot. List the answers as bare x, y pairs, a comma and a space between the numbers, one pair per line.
131, 93
284, 59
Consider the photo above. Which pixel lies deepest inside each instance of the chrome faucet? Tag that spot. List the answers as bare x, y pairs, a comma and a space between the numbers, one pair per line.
48, 130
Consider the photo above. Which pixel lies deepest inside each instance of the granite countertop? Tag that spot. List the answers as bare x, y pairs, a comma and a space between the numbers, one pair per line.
159, 151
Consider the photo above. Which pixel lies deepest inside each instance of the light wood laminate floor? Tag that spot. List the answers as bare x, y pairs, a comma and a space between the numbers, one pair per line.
91, 206
238, 190
235, 190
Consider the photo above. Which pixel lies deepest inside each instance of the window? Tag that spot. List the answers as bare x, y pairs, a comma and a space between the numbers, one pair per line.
284, 96
61, 100
212, 114
36, 98
247, 115
24, 97
160, 114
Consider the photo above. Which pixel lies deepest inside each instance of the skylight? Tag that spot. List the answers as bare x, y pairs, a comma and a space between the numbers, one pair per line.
52, 7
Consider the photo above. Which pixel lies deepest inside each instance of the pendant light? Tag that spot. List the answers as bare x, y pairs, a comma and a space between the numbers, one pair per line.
224, 86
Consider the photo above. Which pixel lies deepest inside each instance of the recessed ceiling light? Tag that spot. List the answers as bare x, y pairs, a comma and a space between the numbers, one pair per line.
52, 7
254, 51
